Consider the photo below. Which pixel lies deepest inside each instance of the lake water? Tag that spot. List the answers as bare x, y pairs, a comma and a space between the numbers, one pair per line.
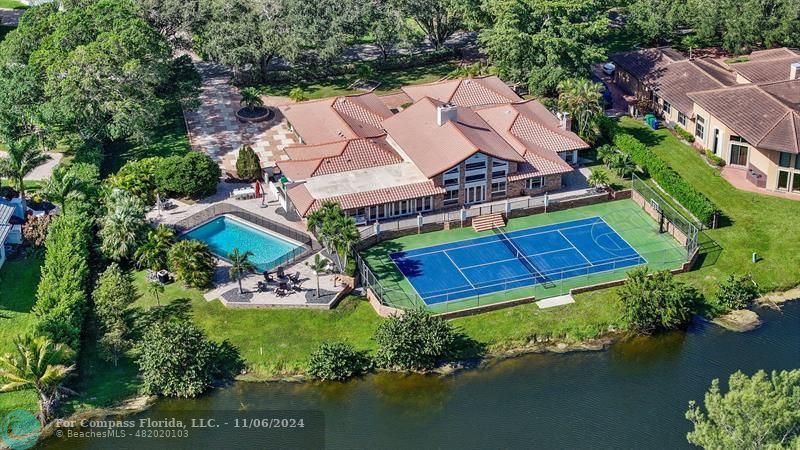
631, 396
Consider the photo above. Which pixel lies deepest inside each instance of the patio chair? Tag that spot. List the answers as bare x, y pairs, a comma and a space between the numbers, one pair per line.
280, 273
268, 276
295, 278
262, 287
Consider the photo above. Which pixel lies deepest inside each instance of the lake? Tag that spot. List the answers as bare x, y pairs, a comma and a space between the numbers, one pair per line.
634, 395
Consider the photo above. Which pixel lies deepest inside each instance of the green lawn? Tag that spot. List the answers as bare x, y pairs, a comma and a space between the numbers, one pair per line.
18, 281
758, 223
275, 342
638, 229
169, 139
390, 82
12, 4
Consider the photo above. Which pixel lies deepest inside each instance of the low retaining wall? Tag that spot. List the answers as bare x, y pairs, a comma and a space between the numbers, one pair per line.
381, 309
485, 308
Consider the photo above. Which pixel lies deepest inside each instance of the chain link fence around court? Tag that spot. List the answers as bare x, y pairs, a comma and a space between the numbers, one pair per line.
462, 217
661, 205
656, 248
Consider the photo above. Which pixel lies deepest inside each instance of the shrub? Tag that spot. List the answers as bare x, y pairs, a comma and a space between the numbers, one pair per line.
176, 359
683, 134
193, 175
415, 340
716, 160
193, 263
139, 178
337, 361
248, 166
697, 203
655, 302
61, 296
737, 292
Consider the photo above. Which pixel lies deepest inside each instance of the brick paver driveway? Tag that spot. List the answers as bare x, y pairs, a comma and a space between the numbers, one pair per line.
213, 126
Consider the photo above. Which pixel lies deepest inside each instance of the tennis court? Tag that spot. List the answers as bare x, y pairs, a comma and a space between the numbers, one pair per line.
501, 261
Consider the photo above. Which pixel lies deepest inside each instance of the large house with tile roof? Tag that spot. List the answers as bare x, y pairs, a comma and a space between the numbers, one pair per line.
460, 142
746, 112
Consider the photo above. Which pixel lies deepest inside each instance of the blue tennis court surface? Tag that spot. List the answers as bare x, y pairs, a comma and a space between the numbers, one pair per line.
540, 255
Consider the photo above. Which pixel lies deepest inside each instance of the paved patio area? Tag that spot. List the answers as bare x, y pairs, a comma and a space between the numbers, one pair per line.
738, 178
214, 128
227, 290
268, 207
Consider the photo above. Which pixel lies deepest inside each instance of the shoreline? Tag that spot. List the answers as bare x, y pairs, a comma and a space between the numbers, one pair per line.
140, 403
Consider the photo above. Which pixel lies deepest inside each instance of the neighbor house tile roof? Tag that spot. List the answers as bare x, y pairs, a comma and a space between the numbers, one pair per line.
469, 92
642, 62
302, 200
315, 160
754, 113
767, 69
338, 118
436, 148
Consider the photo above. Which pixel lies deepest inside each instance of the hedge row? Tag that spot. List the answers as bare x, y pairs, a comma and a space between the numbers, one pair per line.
697, 203
61, 299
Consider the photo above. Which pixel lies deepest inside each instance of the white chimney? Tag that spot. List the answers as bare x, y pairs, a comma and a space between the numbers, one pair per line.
565, 121
794, 70
446, 113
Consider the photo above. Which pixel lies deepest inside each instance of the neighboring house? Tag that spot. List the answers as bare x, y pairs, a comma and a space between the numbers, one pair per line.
9, 233
747, 113
460, 143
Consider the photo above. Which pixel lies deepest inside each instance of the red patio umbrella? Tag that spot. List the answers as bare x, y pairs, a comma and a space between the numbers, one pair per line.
258, 189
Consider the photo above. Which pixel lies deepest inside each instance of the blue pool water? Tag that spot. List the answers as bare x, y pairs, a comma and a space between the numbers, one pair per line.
223, 234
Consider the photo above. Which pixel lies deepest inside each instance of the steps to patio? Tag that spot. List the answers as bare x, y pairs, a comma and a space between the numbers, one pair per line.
488, 222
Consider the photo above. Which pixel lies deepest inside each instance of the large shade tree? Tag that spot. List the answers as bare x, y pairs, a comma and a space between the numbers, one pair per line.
542, 42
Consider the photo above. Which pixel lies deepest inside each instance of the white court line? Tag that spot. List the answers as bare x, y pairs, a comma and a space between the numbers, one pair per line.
459, 269
493, 242
516, 259
623, 239
409, 282
576, 248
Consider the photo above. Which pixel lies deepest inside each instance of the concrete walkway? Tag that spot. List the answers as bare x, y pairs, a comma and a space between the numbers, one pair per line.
44, 170
10, 16
738, 178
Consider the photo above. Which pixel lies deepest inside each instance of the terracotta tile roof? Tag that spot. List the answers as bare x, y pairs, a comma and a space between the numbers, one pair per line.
754, 113
305, 204
767, 69
535, 133
338, 118
315, 160
300, 197
435, 149
469, 92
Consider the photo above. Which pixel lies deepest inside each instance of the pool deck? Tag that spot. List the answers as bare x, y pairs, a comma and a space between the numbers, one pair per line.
227, 290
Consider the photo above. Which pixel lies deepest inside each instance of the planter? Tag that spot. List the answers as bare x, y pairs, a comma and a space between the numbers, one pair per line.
255, 115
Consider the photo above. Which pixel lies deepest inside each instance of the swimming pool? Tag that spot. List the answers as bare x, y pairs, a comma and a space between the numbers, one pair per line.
225, 233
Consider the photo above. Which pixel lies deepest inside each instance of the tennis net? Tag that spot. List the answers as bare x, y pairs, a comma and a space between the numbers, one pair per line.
521, 256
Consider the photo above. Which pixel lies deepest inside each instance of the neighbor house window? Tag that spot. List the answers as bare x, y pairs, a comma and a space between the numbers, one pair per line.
785, 159
667, 107
700, 128
535, 183
738, 154
682, 118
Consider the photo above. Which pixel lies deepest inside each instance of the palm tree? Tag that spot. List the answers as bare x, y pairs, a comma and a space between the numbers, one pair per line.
40, 364
155, 288
623, 164
240, 263
346, 237
152, 254
605, 153
193, 262
61, 186
23, 157
122, 226
318, 266
583, 99
251, 99
598, 178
